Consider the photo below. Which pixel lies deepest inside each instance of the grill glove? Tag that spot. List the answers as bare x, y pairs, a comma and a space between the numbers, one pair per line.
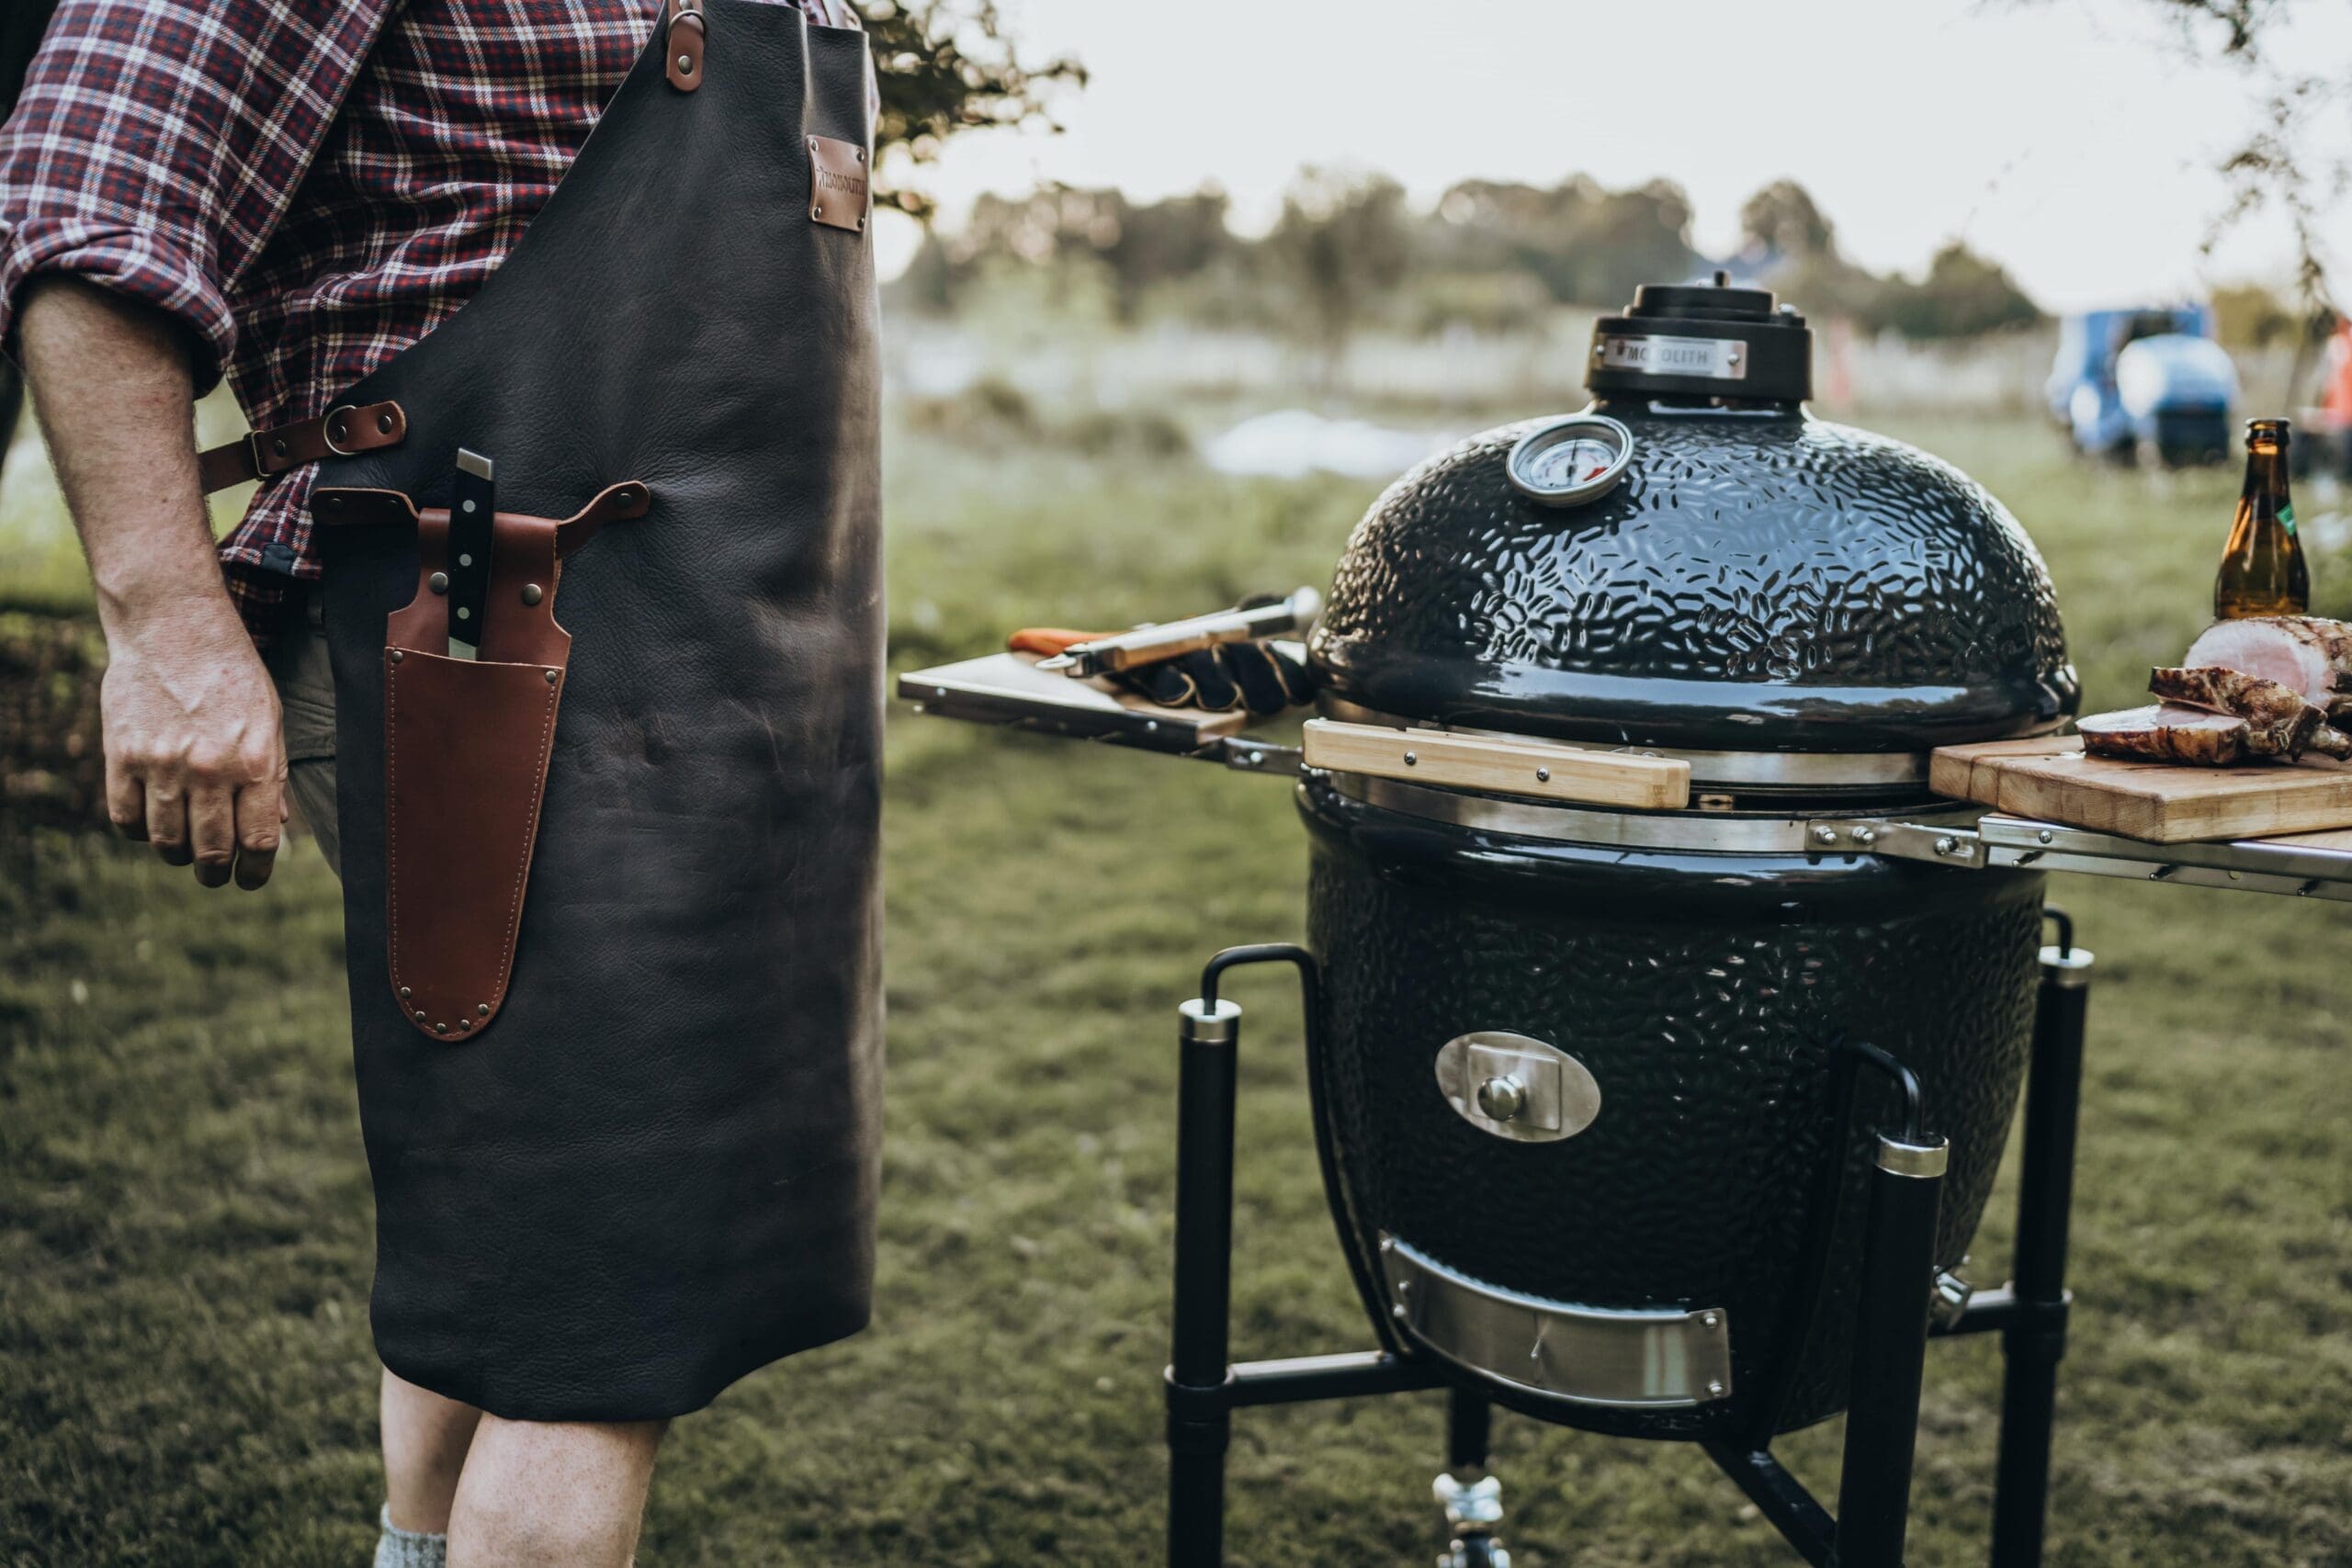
1252, 675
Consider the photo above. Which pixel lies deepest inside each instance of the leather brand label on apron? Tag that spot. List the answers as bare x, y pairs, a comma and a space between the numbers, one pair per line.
840, 192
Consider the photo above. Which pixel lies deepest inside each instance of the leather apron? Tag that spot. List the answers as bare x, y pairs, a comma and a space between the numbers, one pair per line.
654, 1169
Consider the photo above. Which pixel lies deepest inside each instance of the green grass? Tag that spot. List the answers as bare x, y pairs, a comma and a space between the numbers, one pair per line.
185, 1372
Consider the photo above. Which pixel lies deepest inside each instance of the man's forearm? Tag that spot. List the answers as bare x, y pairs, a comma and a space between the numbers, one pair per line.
194, 762
111, 383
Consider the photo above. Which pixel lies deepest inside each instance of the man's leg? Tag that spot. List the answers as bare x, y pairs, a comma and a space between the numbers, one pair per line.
425, 1439
550, 1494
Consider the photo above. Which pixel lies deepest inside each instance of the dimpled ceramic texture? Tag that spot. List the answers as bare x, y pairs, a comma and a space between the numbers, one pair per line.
1703, 993
1761, 580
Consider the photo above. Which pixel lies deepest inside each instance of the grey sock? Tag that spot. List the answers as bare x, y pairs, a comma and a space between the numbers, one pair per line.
407, 1549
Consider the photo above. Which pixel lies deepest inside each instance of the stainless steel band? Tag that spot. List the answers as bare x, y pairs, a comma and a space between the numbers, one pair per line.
1720, 833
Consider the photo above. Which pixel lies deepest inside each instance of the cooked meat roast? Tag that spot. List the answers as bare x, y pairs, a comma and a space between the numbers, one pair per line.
2303, 653
2168, 732
2267, 688
2279, 723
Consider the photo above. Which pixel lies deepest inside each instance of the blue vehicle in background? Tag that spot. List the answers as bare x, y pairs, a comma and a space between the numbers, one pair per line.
2148, 383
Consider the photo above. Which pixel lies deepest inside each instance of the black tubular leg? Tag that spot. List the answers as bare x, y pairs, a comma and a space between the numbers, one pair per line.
1890, 1351
2032, 1349
1469, 1420
1200, 1407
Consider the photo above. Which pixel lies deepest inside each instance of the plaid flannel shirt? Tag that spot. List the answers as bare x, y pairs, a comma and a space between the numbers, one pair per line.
308, 187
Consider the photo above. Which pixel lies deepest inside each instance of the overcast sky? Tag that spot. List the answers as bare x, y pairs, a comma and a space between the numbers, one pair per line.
2071, 139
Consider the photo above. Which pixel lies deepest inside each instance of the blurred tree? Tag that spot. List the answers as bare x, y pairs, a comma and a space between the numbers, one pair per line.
2247, 315
1962, 295
1589, 246
1780, 220
945, 66
1342, 242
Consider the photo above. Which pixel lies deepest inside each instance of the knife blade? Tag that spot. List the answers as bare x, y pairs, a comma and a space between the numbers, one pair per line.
473, 502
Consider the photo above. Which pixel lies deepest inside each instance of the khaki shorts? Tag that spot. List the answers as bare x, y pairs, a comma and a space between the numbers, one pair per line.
298, 662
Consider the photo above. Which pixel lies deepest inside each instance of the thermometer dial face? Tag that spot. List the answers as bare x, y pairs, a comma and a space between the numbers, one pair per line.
1571, 461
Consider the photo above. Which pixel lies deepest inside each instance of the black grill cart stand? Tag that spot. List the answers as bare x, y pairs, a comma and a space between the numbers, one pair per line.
1869, 1256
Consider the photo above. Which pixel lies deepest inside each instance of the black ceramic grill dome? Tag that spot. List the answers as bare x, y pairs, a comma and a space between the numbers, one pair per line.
1799, 606
1760, 579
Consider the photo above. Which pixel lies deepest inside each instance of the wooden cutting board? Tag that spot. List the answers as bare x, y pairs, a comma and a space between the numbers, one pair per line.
2051, 779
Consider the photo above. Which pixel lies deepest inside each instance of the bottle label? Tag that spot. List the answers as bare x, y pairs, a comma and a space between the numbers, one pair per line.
2287, 520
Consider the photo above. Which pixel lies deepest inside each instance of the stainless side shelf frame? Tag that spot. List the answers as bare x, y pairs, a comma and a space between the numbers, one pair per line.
2298, 867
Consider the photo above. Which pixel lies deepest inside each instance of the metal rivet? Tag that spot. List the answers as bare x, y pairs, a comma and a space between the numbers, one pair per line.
278, 446
1865, 836
550, 677
1715, 1388
2046, 836
686, 65
398, 654
1397, 1312
465, 1023
420, 1018
439, 583
1945, 846
481, 1008
1709, 1319
816, 212
338, 430
384, 423
1824, 835
1543, 775
861, 154
1257, 759
465, 613
404, 992
440, 1028
533, 593
812, 145
861, 224
334, 503
1412, 761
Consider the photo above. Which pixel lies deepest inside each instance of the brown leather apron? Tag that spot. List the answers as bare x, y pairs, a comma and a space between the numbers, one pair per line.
613, 919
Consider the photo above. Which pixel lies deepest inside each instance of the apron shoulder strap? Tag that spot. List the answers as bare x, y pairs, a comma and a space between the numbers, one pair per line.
684, 31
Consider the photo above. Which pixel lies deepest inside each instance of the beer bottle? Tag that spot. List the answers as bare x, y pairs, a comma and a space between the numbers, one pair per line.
2262, 567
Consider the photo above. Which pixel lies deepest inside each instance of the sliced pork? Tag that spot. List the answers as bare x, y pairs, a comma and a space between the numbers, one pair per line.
2303, 653
2168, 733
2279, 723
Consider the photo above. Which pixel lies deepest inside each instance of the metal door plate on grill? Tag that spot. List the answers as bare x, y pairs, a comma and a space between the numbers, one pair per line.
1516, 1087
1647, 1360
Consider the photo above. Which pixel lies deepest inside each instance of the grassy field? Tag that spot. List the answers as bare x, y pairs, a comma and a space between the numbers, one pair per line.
185, 1249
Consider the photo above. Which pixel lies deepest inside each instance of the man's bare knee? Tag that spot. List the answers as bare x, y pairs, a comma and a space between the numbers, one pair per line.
543, 1493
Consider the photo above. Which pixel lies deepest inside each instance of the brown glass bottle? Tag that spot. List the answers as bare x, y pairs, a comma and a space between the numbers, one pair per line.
2262, 567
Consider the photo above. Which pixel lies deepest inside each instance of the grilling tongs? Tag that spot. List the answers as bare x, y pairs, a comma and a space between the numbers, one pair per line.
1155, 644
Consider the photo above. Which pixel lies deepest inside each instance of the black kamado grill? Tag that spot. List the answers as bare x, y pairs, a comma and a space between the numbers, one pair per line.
1664, 1031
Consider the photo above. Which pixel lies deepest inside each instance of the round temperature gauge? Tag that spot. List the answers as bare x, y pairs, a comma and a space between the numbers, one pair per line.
1571, 460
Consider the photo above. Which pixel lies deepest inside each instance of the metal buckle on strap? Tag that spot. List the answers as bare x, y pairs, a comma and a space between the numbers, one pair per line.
270, 450
327, 424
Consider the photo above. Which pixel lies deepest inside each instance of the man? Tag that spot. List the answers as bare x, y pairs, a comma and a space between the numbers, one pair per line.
292, 196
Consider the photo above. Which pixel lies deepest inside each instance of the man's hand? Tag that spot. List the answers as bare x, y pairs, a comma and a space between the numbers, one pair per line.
195, 764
